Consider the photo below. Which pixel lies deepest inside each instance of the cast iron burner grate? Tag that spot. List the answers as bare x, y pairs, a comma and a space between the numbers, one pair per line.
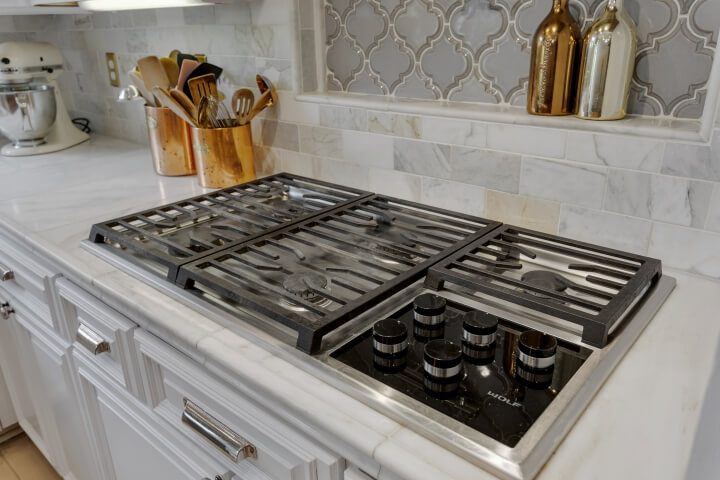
184, 231
316, 275
533, 269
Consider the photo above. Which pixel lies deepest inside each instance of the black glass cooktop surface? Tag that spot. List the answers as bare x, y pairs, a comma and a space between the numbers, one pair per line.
494, 393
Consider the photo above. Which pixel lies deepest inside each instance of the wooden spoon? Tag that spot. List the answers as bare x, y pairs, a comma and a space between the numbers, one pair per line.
184, 101
167, 100
242, 104
269, 97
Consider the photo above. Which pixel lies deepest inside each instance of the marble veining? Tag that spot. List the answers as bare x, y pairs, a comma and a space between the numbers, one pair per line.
669, 199
456, 196
616, 151
422, 158
563, 182
614, 231
494, 170
393, 124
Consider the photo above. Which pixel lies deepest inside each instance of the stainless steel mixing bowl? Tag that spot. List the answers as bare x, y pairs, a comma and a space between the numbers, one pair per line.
27, 113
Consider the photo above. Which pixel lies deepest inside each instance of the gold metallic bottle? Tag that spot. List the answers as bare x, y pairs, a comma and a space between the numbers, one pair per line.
555, 59
607, 66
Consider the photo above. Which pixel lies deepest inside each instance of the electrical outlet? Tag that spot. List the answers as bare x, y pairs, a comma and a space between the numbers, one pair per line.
112, 68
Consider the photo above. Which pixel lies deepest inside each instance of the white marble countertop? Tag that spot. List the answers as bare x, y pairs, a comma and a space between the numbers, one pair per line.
642, 423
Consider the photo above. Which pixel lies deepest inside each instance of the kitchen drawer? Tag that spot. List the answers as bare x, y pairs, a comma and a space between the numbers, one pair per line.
25, 278
102, 334
131, 443
184, 394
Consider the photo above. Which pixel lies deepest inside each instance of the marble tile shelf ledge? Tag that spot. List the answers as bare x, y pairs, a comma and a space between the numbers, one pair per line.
683, 130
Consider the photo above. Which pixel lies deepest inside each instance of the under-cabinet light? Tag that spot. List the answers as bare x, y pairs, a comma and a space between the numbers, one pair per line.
110, 5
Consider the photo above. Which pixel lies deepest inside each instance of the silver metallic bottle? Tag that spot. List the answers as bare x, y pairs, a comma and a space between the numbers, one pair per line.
608, 62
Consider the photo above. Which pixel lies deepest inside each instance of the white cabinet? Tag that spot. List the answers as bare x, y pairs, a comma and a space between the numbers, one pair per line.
47, 396
178, 388
7, 412
20, 376
133, 445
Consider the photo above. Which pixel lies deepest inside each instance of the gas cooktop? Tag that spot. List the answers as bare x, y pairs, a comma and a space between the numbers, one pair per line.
489, 339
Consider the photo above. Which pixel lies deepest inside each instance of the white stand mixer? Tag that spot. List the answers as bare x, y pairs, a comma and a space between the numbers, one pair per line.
36, 122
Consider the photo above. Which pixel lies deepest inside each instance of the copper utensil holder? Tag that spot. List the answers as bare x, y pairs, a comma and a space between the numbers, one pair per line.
224, 156
170, 143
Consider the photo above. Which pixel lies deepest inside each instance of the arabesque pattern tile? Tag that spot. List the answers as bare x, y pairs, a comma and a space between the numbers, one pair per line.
477, 50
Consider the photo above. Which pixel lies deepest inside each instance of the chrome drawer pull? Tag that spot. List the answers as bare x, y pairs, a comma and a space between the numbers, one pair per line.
91, 340
219, 435
6, 274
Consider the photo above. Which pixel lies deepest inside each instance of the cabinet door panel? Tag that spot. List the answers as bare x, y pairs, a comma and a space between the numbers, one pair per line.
56, 376
7, 412
132, 443
18, 375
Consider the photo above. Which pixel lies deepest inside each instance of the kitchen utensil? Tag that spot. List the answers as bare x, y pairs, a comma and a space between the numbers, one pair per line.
137, 81
27, 114
129, 94
212, 113
202, 69
181, 57
153, 73
170, 142
267, 99
224, 156
32, 111
187, 67
172, 70
167, 100
184, 101
242, 103
203, 86
204, 116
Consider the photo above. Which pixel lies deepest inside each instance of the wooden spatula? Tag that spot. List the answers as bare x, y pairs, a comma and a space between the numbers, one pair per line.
203, 69
171, 69
186, 69
153, 73
203, 86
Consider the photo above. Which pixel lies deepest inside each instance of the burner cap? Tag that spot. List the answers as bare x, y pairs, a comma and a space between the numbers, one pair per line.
429, 305
305, 284
546, 280
480, 323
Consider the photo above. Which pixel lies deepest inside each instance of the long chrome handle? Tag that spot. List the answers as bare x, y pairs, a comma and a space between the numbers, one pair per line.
6, 274
91, 340
6, 310
218, 434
